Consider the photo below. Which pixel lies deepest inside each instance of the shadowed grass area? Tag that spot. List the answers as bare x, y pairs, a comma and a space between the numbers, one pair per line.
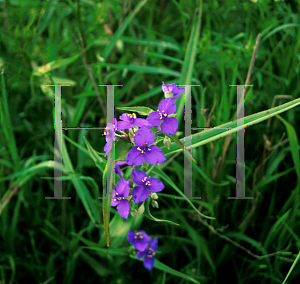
140, 44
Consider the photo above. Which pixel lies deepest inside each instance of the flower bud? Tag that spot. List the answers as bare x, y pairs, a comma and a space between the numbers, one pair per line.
141, 209
131, 133
135, 129
145, 165
133, 212
167, 142
153, 195
168, 95
155, 204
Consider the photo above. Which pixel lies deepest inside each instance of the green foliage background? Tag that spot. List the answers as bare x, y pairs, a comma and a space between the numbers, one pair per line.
139, 44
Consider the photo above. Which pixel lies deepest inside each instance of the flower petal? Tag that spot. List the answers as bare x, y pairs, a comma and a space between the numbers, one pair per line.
149, 262
142, 122
140, 254
105, 150
153, 244
169, 87
154, 118
130, 236
169, 125
156, 185
123, 208
116, 124
167, 106
135, 157
124, 125
177, 93
146, 238
113, 198
138, 176
144, 136
154, 155
122, 187
118, 171
140, 194
140, 245
125, 117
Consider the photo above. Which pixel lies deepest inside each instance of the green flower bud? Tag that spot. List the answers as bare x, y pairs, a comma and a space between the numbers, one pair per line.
141, 209
167, 142
133, 212
153, 195
155, 204
145, 165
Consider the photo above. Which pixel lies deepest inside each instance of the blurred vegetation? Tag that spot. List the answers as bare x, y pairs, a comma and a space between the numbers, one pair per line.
139, 44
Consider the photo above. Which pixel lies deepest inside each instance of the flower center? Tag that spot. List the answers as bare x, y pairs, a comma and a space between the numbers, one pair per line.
162, 115
150, 252
132, 117
144, 148
138, 236
117, 198
147, 182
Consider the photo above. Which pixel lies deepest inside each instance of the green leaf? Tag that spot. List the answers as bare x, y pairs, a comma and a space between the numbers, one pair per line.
89, 204
159, 265
106, 208
172, 184
122, 148
41, 70
122, 29
94, 155
189, 58
225, 129
294, 143
139, 109
149, 216
177, 141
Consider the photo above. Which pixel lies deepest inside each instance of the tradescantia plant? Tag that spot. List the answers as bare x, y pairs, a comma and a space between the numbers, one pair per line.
143, 152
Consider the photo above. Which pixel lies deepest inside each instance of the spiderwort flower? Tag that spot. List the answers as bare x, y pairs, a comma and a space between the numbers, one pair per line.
160, 118
140, 193
173, 89
141, 152
149, 254
118, 197
109, 135
130, 119
118, 169
139, 240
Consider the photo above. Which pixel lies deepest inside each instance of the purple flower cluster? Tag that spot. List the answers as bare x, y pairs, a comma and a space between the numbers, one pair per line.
145, 246
143, 150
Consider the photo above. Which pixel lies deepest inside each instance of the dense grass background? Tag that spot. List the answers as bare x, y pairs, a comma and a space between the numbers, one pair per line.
139, 44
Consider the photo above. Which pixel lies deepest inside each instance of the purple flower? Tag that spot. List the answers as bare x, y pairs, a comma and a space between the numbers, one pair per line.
169, 125
118, 169
139, 239
141, 193
118, 197
149, 254
129, 120
110, 135
138, 154
172, 88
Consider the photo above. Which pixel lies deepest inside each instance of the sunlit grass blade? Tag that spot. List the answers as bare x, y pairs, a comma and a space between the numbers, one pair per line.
223, 130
